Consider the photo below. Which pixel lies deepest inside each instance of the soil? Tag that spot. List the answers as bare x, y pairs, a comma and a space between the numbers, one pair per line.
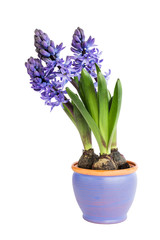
87, 159
119, 159
124, 166
105, 162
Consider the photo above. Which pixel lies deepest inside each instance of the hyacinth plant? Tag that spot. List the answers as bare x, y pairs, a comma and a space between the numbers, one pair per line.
92, 108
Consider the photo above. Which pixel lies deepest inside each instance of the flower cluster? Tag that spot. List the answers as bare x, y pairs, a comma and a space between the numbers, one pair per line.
51, 89
45, 47
85, 53
53, 96
51, 78
36, 72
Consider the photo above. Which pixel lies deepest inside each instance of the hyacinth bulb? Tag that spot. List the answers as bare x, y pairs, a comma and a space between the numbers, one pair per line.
87, 159
119, 159
104, 162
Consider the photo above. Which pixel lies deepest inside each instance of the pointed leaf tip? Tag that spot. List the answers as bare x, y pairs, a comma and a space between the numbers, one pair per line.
97, 68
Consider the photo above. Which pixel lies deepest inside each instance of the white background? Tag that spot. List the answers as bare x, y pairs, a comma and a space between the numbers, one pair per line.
39, 146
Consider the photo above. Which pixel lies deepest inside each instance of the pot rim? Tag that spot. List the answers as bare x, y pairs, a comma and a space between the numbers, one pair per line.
132, 169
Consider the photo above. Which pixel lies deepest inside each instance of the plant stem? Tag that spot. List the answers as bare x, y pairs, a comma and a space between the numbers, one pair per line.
69, 105
73, 82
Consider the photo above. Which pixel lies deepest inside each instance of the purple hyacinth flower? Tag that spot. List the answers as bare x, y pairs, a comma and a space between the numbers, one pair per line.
34, 67
85, 53
79, 45
65, 71
78, 41
49, 83
54, 93
61, 72
36, 71
52, 96
45, 47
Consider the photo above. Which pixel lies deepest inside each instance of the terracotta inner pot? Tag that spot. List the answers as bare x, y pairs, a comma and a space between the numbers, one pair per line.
132, 169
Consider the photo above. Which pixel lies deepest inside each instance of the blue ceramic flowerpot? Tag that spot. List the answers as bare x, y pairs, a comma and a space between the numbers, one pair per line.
104, 196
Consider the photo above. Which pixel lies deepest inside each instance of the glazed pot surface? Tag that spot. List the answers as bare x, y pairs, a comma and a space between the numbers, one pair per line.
104, 199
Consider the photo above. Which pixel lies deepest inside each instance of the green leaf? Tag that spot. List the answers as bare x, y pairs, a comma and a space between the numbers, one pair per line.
83, 128
90, 121
103, 105
109, 96
81, 94
114, 111
110, 103
89, 94
114, 140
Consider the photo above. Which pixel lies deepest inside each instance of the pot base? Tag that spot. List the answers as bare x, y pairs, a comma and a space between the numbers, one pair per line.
104, 221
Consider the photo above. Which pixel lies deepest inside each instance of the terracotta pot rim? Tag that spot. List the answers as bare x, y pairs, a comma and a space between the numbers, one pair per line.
119, 172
